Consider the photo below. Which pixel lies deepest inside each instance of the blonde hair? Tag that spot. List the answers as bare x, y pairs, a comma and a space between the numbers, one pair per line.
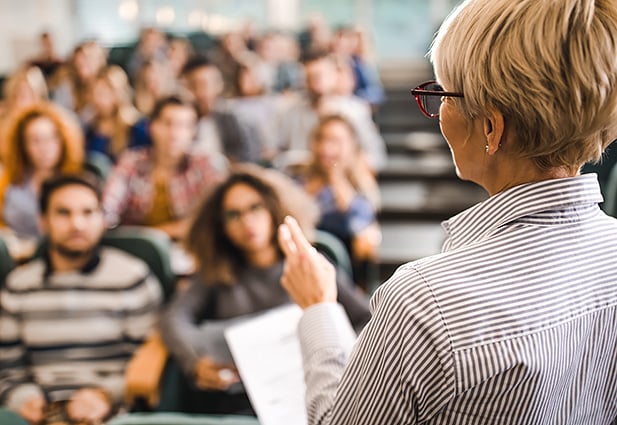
32, 76
125, 114
15, 157
550, 67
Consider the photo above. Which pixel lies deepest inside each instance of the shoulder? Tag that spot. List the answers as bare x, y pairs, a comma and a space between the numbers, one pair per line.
120, 269
26, 277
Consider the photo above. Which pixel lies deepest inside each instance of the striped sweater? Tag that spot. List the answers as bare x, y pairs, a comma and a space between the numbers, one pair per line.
514, 323
63, 331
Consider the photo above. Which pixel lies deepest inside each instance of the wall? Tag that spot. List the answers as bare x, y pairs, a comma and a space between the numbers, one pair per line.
22, 21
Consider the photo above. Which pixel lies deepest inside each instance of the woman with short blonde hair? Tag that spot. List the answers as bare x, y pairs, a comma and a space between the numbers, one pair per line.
515, 321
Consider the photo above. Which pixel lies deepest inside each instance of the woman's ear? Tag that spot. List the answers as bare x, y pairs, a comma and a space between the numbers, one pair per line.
494, 130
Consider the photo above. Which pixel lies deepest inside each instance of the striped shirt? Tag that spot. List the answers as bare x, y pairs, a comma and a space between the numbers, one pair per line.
63, 331
515, 322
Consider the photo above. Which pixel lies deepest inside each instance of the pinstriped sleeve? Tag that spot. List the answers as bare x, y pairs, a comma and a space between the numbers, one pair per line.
399, 370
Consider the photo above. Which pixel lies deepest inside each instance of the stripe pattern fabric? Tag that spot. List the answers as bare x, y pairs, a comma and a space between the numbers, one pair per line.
515, 322
72, 329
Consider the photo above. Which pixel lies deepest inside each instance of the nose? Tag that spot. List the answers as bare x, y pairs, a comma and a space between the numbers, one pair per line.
79, 221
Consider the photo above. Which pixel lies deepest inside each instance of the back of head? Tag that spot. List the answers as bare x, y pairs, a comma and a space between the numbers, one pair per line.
549, 66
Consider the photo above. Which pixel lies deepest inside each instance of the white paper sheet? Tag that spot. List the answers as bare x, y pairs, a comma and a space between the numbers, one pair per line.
266, 351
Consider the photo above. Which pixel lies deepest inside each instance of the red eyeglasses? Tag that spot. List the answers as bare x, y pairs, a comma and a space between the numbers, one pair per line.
428, 97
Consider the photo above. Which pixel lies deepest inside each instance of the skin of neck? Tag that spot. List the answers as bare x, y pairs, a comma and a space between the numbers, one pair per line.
263, 258
507, 172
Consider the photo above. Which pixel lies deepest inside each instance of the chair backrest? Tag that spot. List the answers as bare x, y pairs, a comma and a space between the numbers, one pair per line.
610, 193
331, 246
8, 417
149, 245
6, 262
152, 246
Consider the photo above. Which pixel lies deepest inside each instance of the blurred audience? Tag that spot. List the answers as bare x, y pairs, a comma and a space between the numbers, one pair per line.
153, 81
228, 57
41, 140
350, 45
115, 125
233, 239
345, 189
24, 87
151, 46
47, 60
255, 108
159, 186
76, 77
72, 317
317, 36
178, 53
320, 98
219, 131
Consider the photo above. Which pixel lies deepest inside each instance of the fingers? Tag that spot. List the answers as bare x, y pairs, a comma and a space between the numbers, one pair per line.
303, 246
285, 242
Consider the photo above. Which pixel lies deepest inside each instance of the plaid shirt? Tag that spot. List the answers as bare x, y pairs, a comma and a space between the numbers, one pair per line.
129, 192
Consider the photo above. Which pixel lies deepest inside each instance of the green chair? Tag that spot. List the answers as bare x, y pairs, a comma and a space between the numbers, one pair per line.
8, 417
6, 262
181, 419
610, 193
99, 164
152, 246
331, 247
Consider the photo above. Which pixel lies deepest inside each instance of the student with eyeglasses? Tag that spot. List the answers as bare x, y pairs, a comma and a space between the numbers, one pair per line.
515, 322
240, 264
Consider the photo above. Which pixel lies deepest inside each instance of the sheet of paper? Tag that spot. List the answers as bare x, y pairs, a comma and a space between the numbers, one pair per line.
266, 351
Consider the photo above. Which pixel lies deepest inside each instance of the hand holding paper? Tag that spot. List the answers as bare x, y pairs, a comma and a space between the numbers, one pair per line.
308, 276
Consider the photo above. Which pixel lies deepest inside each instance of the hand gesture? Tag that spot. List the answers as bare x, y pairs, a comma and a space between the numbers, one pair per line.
308, 277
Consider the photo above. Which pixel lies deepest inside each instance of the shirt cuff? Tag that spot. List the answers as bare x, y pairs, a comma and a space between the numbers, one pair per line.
324, 326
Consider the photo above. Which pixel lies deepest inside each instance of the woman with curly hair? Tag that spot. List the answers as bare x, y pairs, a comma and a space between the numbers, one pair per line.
40, 141
233, 239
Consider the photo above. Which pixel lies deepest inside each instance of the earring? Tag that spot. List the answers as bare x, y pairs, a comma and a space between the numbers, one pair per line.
486, 148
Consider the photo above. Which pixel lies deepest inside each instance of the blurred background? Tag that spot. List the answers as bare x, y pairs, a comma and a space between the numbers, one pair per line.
418, 184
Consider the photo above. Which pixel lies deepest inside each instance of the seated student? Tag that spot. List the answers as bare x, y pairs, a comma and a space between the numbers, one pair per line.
219, 131
159, 186
22, 88
233, 239
301, 116
115, 125
71, 319
339, 178
40, 140
257, 109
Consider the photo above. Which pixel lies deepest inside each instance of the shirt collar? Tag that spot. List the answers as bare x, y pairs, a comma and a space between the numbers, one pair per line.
482, 219
88, 268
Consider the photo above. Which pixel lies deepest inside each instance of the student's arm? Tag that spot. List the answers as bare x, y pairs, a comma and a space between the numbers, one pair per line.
179, 324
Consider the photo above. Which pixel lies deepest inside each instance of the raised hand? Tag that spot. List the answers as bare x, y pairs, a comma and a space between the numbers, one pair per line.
308, 277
